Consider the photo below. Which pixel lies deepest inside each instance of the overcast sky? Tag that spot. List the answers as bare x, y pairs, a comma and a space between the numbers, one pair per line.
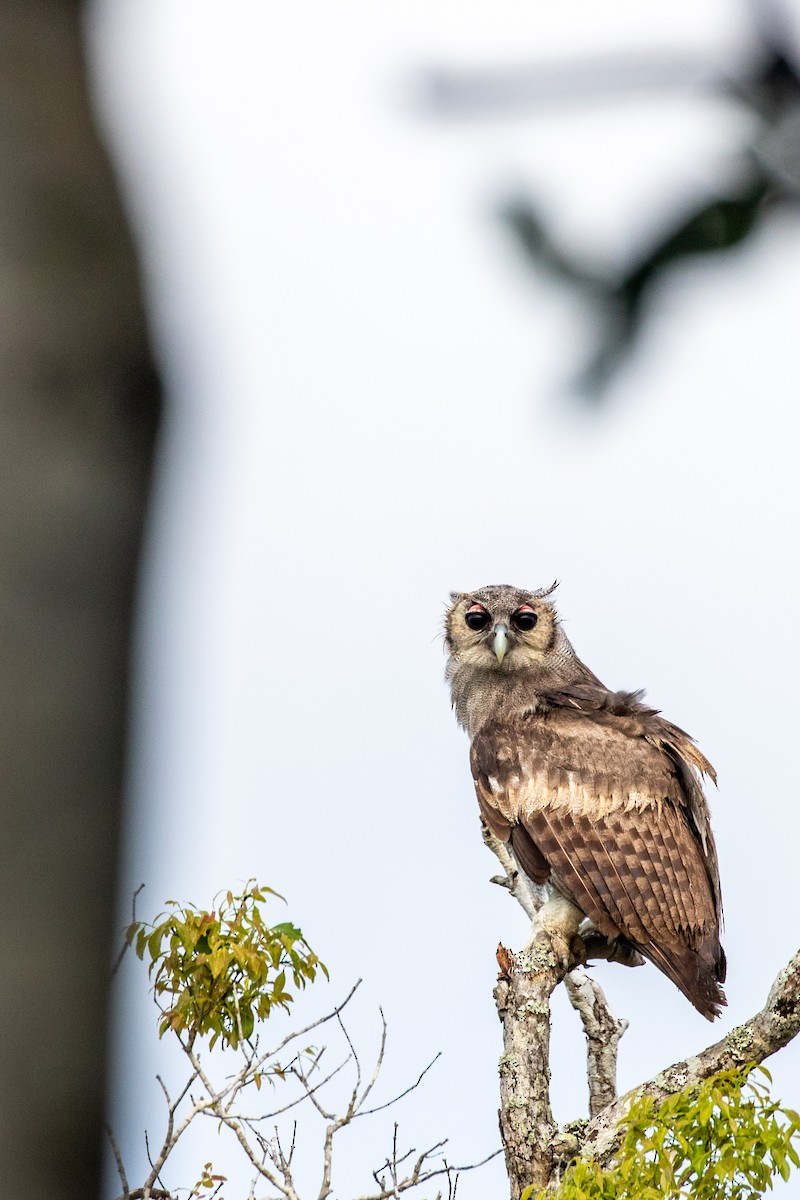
368, 410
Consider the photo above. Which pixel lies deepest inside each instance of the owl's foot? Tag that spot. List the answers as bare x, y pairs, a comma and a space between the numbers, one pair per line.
591, 945
552, 933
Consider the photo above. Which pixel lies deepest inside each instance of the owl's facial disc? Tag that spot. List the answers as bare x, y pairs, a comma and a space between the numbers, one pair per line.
500, 629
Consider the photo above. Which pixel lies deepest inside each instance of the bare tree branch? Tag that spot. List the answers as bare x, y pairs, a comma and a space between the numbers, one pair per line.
528, 894
213, 1104
603, 1032
126, 1195
527, 1127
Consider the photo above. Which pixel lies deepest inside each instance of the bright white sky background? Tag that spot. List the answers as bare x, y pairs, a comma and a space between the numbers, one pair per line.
367, 411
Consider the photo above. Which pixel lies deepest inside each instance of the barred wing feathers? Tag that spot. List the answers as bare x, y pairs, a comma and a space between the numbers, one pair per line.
601, 795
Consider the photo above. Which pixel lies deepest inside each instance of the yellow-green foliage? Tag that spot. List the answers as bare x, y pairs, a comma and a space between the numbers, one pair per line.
218, 972
722, 1140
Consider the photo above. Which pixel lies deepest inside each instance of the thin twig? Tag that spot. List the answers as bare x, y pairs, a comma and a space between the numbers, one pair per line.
126, 943
367, 1112
329, 1016
415, 1179
118, 1160
378, 1067
353, 1049
153, 1193
252, 1067
310, 1092
529, 895
268, 1116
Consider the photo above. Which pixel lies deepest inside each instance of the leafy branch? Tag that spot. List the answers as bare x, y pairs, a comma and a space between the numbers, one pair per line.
723, 1139
221, 971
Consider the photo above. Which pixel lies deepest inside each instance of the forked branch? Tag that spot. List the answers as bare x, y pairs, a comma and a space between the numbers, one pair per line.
537, 1152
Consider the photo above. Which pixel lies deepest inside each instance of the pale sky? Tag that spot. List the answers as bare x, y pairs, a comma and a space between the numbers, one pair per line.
367, 411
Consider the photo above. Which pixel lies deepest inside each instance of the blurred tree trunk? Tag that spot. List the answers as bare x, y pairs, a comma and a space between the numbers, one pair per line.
78, 413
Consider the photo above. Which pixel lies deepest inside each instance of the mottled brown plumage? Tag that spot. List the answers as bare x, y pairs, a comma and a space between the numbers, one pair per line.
597, 794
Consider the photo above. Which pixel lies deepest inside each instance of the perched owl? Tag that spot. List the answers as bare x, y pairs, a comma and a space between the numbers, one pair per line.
598, 795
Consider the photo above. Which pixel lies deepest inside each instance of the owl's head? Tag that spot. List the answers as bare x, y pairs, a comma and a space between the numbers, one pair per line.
501, 628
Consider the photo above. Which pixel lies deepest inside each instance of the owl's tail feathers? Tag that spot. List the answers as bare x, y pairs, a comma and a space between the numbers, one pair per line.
698, 972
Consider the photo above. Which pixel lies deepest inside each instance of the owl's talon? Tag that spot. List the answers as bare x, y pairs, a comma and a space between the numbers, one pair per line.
597, 946
577, 951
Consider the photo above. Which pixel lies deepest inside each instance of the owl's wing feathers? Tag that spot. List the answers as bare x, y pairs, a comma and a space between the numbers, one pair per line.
602, 792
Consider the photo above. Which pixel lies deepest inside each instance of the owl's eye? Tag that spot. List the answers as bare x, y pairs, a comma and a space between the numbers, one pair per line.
477, 617
524, 618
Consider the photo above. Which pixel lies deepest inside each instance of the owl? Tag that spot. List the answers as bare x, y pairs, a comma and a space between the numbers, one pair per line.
599, 797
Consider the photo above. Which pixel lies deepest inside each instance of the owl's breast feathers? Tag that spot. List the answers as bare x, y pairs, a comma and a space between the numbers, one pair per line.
601, 795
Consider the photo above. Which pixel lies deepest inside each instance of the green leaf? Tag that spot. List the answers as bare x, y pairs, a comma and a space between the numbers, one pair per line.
288, 930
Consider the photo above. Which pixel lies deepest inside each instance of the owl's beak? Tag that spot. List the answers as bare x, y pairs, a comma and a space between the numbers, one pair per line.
500, 642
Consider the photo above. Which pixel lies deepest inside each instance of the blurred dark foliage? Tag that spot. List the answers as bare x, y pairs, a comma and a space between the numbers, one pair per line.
620, 304
767, 174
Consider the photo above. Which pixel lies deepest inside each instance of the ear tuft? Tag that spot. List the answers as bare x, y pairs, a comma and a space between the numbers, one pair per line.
456, 596
542, 592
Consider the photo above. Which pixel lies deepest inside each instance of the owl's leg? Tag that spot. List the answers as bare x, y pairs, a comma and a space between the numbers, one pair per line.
560, 916
556, 922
